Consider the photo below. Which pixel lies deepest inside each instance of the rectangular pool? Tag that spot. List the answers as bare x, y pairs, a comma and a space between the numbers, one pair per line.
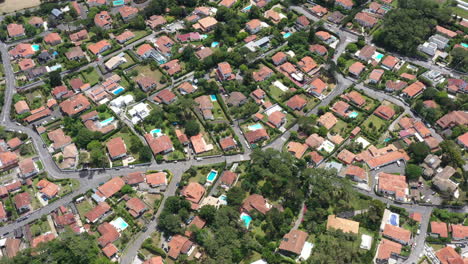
156, 131
255, 127
107, 121
211, 176
119, 224
246, 219
118, 90
353, 114
35, 47
213, 98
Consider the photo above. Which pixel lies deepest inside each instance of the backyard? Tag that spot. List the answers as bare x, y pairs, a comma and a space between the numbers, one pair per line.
145, 70
92, 77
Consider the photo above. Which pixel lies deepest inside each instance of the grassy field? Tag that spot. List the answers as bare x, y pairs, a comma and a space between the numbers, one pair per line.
377, 124
92, 77
460, 12
145, 70
39, 227
339, 128
84, 207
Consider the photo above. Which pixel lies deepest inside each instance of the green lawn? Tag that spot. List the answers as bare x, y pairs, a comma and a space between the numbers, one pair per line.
373, 124
145, 70
84, 207
39, 227
138, 35
460, 12
218, 112
276, 93
339, 128
129, 62
92, 77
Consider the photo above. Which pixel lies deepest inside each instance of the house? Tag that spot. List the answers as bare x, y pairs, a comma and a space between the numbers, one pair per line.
413, 89
134, 178
27, 168
340, 108
463, 140
79, 36
448, 255
236, 99
192, 36
459, 232
36, 22
227, 143
48, 189
15, 30
159, 145
255, 202
388, 249
346, 156
324, 36
314, 141
22, 202
224, 71
156, 179
12, 247
136, 207
154, 260
443, 182
258, 94
183, 139
22, 107
262, 74
227, 3
26, 64
327, 120
110, 188
103, 20
196, 223
60, 91
110, 250
438, 229
274, 16
318, 49
116, 148
128, 12
206, 24
385, 112
293, 242
345, 225
186, 88
336, 17
256, 135
155, 21
42, 239
457, 85
318, 10
277, 119
115, 62
205, 105
179, 245
59, 139
297, 149
452, 119
346, 4
228, 179
296, 103
253, 26
317, 87
146, 83
75, 105
393, 185
302, 22
199, 144
355, 98
356, 69
92, 3
99, 47
125, 36
365, 19
109, 234
279, 58
3, 214
376, 75
75, 53
392, 86
172, 67
53, 39
387, 158
445, 32
366, 52
22, 50
193, 193
35, 73
389, 62
358, 174
203, 52
145, 51
165, 96
397, 234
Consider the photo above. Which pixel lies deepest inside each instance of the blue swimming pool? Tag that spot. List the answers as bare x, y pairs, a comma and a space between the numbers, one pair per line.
118, 2
353, 114
223, 197
119, 224
35, 47
247, 8
55, 67
287, 35
214, 44
246, 219
118, 90
255, 127
213, 98
464, 45
387, 139
107, 121
379, 56
156, 131
211, 176
393, 220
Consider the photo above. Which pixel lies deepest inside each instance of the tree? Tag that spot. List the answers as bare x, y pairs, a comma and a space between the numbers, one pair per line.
460, 59
208, 212
127, 189
145, 154
418, 151
413, 172
452, 153
192, 128
235, 196
55, 79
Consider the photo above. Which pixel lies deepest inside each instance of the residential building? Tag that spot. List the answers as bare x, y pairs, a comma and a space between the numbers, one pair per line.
293, 242
53, 39
393, 185
356, 173
255, 202
296, 103
128, 12
413, 89
136, 207
193, 193
116, 148
15, 30
99, 47
27, 168
397, 234
103, 20
438, 229
224, 71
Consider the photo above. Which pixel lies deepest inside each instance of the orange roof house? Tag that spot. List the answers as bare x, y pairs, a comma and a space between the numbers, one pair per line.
193, 193
128, 12
255, 202
53, 39
15, 30
116, 148
387, 249
397, 234
99, 47
111, 187
103, 20
136, 207
97, 212
179, 245
75, 105
293, 242
413, 89
297, 149
452, 119
439, 229
356, 68
385, 112
392, 184
156, 179
357, 173
448, 255
328, 120
459, 231
346, 156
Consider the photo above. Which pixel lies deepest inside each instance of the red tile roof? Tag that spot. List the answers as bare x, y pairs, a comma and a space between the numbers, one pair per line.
414, 89
52, 38
228, 178
397, 233
15, 30
75, 105
386, 248
97, 212
42, 239
108, 233
161, 144
193, 192
293, 241
439, 228
135, 206
255, 202
179, 244
384, 111
227, 143
110, 187
116, 147
110, 250
156, 179
448, 255
356, 171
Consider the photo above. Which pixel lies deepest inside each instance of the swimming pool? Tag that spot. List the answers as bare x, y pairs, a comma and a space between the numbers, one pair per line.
379, 56
246, 219
107, 121
35, 47
119, 224
393, 220
387, 139
255, 127
353, 114
118, 90
211, 176
55, 67
464, 45
214, 44
156, 131
223, 197
213, 98
247, 8
287, 35
118, 2
203, 36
